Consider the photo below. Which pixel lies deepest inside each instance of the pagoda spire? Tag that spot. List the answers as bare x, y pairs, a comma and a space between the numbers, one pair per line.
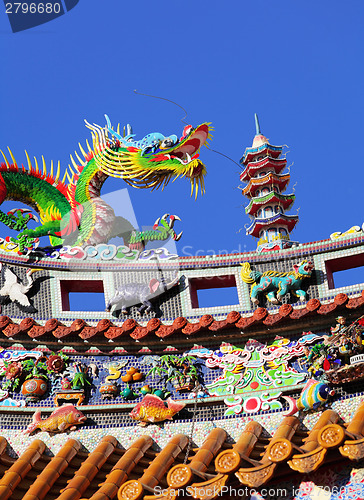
257, 126
263, 173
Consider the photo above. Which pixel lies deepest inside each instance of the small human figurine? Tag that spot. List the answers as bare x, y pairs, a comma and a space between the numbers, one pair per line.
340, 325
346, 348
315, 359
357, 338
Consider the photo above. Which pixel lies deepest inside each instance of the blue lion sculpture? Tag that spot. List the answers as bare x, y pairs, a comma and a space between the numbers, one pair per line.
275, 284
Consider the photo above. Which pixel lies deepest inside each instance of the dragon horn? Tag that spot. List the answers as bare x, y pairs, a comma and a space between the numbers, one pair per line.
112, 132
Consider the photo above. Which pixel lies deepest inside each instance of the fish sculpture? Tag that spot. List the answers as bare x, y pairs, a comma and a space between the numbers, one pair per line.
67, 416
313, 395
152, 410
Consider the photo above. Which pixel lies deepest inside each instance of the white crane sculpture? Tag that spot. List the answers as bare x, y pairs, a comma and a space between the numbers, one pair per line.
16, 291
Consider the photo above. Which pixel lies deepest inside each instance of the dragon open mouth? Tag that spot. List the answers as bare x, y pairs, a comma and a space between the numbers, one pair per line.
186, 152
187, 149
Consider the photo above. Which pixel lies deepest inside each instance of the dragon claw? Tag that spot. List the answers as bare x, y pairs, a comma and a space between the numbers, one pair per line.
20, 218
156, 223
21, 210
172, 220
168, 226
33, 217
162, 230
24, 242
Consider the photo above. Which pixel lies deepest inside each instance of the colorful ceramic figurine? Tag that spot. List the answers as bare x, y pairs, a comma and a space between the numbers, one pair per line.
131, 294
108, 390
153, 410
276, 284
67, 416
340, 325
75, 210
80, 376
114, 369
132, 375
13, 290
313, 395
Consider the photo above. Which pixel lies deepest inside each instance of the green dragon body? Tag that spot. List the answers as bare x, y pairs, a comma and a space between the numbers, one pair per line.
73, 212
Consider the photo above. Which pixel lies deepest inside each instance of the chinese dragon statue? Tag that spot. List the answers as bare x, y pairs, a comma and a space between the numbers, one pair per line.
71, 210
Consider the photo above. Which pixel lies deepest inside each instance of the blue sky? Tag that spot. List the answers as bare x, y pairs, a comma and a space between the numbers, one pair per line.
298, 64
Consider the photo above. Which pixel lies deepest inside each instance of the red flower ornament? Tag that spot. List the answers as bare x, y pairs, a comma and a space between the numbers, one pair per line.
55, 363
13, 371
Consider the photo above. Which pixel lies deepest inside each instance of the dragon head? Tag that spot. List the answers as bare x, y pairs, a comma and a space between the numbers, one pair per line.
153, 161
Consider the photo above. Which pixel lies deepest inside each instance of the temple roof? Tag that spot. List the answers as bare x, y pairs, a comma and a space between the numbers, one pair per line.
254, 460
155, 330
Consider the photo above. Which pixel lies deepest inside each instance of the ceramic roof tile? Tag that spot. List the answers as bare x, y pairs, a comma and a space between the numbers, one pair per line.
130, 328
108, 473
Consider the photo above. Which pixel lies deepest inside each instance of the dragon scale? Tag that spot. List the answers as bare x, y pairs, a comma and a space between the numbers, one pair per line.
73, 212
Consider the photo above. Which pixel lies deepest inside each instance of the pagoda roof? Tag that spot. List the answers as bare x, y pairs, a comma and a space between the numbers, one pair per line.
285, 220
285, 200
253, 168
280, 180
250, 153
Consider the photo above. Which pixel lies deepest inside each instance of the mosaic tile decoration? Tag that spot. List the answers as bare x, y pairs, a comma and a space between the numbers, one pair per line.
162, 433
177, 301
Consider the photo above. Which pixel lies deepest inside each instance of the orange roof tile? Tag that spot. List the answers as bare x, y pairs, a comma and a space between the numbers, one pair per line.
110, 473
105, 329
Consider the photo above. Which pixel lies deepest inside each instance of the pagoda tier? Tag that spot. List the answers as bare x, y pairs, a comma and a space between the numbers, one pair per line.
257, 183
265, 149
268, 164
263, 173
267, 224
280, 201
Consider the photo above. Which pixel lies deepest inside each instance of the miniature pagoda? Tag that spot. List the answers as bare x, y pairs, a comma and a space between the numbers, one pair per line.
265, 184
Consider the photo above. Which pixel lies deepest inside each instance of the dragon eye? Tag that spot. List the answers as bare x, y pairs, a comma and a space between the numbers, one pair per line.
167, 143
